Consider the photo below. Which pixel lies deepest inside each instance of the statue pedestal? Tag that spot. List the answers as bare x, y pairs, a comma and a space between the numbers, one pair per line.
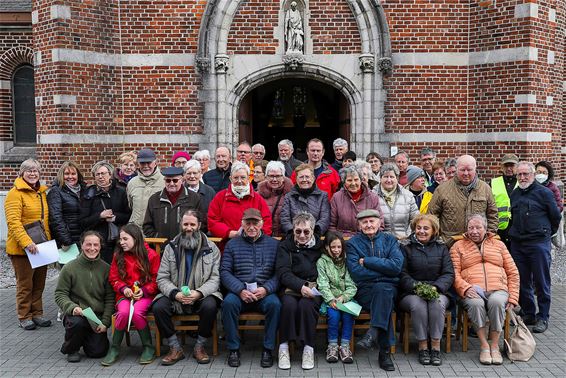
293, 60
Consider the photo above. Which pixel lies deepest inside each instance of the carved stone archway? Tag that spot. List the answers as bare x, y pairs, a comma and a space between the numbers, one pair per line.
227, 78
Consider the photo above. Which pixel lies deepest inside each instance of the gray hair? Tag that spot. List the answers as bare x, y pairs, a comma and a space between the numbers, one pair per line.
239, 166
477, 216
100, 164
361, 164
339, 143
202, 154
450, 162
389, 167
349, 171
428, 151
286, 142
192, 164
401, 152
28, 165
528, 164
259, 145
304, 217
275, 165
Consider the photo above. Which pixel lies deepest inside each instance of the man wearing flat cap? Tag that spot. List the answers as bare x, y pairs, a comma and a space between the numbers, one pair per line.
501, 187
375, 261
165, 208
148, 181
247, 271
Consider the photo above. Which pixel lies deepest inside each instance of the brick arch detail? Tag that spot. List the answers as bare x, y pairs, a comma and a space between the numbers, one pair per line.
13, 58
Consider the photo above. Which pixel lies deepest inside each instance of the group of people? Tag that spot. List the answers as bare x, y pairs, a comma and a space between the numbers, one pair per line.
297, 239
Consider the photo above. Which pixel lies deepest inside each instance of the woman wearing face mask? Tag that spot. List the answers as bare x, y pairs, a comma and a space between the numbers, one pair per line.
545, 175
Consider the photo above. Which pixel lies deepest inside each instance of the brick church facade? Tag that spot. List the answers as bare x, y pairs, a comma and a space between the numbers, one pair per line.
484, 77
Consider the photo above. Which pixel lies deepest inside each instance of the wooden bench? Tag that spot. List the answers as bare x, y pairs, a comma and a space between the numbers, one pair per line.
407, 325
179, 320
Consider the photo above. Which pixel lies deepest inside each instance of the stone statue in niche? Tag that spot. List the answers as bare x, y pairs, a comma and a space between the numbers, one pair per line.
294, 31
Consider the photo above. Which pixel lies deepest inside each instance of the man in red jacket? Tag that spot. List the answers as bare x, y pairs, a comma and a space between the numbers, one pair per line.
327, 179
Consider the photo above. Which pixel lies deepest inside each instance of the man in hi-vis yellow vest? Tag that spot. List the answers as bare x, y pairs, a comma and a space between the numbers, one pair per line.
501, 187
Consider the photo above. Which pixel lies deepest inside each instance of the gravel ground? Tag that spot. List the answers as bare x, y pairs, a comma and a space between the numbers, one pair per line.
7, 278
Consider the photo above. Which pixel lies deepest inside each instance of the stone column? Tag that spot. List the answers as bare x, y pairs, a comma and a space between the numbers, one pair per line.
364, 139
224, 131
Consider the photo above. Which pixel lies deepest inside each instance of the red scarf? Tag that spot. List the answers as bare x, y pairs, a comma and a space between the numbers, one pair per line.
356, 196
173, 197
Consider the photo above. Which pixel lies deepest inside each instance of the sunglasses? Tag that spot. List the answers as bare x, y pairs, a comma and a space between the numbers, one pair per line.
173, 180
306, 232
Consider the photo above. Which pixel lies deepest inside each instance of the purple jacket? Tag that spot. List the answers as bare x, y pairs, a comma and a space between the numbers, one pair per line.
270, 196
556, 192
343, 210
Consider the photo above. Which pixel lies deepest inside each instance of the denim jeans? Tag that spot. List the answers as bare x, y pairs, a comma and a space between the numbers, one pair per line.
333, 320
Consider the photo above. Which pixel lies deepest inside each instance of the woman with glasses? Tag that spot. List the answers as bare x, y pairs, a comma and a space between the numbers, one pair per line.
273, 190
104, 208
305, 196
296, 268
193, 181
259, 173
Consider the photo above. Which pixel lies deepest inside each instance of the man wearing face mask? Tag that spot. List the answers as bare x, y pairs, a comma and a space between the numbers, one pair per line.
501, 187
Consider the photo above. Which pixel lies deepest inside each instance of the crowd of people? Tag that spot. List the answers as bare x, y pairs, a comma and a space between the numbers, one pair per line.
297, 240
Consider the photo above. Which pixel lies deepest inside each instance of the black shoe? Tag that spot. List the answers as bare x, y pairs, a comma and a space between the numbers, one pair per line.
40, 321
385, 361
266, 359
424, 357
435, 359
74, 357
540, 326
234, 358
367, 342
529, 320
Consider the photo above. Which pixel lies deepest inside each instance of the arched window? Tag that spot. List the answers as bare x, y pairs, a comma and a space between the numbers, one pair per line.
23, 106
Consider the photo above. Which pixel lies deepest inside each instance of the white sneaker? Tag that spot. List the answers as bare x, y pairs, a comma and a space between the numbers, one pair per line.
308, 360
284, 362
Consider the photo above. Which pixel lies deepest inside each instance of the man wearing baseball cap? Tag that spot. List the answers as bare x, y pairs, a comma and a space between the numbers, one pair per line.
148, 181
501, 187
375, 261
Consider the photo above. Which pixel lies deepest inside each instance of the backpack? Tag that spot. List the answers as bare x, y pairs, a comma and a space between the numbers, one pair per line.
521, 345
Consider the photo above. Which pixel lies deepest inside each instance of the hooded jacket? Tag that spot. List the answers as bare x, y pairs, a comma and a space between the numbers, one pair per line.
139, 189
334, 280
315, 203
64, 213
275, 197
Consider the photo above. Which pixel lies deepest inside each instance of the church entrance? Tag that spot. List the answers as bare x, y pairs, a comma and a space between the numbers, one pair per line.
295, 109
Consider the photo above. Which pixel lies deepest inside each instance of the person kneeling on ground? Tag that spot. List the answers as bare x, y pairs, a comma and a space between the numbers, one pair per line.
75, 294
189, 282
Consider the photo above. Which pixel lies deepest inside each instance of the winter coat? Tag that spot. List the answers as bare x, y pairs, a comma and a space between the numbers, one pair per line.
84, 283
290, 165
217, 178
343, 209
133, 274
139, 189
64, 213
203, 277
315, 203
383, 259
206, 194
328, 180
23, 206
556, 193
490, 266
226, 210
397, 219
429, 263
162, 219
452, 207
248, 261
272, 198
120, 182
296, 265
94, 202
534, 214
334, 280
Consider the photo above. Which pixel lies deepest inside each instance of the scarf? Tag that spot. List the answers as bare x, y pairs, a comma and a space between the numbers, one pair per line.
126, 178
356, 196
184, 277
173, 197
305, 192
389, 196
467, 189
75, 189
308, 244
241, 192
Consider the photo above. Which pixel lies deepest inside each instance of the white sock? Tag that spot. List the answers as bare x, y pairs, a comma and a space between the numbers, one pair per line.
308, 348
284, 346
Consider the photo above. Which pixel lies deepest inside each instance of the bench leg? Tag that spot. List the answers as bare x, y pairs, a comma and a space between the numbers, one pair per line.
448, 331
406, 329
214, 339
465, 333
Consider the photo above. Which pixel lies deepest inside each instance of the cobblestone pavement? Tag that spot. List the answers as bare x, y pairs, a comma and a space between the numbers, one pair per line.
36, 353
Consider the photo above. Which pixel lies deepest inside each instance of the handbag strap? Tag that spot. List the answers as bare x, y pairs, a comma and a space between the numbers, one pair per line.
275, 207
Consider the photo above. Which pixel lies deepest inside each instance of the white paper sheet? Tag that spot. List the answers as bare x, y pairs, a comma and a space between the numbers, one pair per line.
316, 292
251, 286
47, 254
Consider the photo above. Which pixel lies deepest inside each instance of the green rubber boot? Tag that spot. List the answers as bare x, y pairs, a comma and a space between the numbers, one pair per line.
114, 351
148, 352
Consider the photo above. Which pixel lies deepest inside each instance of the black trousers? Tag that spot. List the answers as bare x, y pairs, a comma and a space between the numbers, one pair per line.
206, 309
79, 333
299, 317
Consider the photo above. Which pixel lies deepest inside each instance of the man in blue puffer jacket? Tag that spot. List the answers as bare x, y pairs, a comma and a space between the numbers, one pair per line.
375, 261
247, 270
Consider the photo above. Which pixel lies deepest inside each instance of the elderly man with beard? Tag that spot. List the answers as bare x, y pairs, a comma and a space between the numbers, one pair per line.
534, 219
190, 260
148, 181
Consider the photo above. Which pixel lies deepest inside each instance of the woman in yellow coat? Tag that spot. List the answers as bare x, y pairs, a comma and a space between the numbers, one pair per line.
25, 203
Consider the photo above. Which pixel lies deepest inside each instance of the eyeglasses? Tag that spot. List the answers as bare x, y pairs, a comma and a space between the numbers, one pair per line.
100, 174
172, 180
243, 152
192, 173
306, 232
304, 177
275, 177
522, 174
32, 171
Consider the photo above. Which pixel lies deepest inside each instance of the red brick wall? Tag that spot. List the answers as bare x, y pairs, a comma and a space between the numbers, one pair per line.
333, 28
252, 29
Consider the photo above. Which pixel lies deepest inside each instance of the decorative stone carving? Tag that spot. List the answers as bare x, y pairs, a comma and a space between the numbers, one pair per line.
385, 65
221, 63
203, 64
294, 30
367, 63
293, 60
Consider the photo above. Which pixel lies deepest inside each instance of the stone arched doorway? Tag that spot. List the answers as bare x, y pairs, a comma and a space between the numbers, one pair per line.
295, 109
